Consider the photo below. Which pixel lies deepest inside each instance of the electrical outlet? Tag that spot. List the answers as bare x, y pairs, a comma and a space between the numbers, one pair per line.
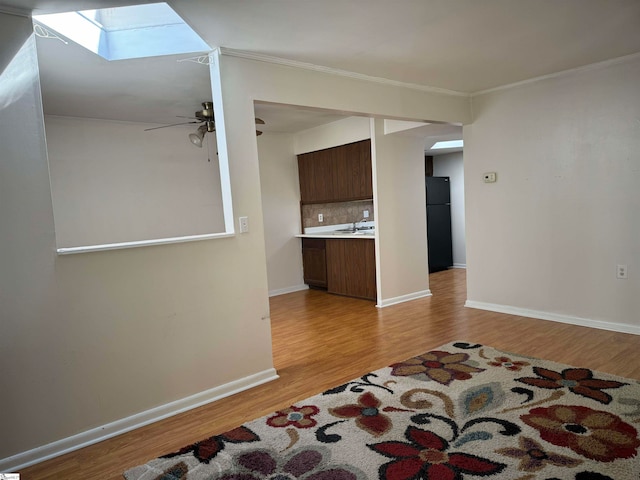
489, 177
244, 224
365, 214
621, 272
320, 218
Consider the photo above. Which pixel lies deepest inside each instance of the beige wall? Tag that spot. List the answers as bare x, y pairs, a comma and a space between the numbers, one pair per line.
400, 201
451, 165
548, 235
113, 182
243, 81
281, 209
341, 132
302, 87
95, 338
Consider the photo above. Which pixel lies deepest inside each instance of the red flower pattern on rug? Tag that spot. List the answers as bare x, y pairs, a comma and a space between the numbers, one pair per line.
578, 380
592, 433
506, 362
294, 416
206, 450
533, 456
443, 367
426, 456
367, 413
437, 416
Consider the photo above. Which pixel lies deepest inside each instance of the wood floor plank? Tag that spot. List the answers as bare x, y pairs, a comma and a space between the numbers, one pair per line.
322, 340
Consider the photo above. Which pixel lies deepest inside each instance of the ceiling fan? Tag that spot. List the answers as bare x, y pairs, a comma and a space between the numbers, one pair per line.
206, 119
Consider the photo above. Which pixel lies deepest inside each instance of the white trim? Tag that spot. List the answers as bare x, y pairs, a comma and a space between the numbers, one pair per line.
283, 291
584, 68
95, 435
335, 71
555, 317
403, 298
141, 243
459, 265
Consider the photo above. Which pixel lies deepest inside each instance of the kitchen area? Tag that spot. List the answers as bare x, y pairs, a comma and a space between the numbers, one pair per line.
309, 211
336, 207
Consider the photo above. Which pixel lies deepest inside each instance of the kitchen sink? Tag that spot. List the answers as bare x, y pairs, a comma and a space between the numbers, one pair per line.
350, 231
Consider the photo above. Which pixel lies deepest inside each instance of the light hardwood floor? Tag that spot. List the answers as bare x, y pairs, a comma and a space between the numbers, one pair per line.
321, 340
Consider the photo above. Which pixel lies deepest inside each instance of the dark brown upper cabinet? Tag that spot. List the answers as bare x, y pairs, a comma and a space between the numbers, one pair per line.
338, 174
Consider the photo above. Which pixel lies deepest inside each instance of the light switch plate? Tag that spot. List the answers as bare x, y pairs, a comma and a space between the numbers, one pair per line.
244, 224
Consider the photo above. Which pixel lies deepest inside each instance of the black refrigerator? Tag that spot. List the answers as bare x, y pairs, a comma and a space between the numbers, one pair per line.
439, 241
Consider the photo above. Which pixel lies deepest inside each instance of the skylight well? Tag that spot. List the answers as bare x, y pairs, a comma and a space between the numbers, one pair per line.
448, 144
127, 32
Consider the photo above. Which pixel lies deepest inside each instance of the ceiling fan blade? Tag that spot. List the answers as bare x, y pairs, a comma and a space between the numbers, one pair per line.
259, 121
172, 125
182, 116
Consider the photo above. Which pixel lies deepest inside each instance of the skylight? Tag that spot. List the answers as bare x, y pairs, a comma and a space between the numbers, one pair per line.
127, 32
448, 144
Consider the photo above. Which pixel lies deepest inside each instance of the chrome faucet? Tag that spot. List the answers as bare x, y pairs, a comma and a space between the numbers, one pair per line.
354, 227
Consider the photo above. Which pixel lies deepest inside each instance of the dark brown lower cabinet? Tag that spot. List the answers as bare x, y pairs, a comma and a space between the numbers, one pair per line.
351, 267
314, 262
341, 266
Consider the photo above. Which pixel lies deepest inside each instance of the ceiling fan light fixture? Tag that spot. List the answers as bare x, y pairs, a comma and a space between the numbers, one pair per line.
198, 137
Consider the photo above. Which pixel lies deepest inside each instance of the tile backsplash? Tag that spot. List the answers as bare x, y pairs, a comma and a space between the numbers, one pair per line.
336, 213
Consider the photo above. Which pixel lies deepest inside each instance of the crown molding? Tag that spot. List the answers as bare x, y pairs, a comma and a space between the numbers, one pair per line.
335, 71
562, 73
16, 11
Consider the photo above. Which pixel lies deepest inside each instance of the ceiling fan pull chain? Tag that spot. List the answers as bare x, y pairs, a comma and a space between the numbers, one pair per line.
202, 60
42, 32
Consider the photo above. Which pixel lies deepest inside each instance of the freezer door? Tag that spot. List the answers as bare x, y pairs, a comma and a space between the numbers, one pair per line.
438, 190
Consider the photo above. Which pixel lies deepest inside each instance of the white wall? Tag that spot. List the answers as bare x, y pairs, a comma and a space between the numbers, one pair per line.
564, 212
401, 216
452, 165
281, 210
341, 132
113, 182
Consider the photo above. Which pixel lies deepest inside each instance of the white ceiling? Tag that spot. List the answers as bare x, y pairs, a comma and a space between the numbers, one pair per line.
460, 45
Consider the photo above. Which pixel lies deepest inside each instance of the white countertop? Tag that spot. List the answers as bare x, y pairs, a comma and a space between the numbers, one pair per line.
330, 231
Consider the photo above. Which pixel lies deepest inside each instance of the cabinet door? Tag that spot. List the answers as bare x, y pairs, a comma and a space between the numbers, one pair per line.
336, 174
315, 171
352, 171
359, 165
314, 262
351, 267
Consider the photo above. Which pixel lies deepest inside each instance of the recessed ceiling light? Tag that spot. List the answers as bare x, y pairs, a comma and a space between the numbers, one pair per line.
127, 32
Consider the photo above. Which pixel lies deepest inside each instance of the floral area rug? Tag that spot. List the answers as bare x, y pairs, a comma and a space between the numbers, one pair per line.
459, 411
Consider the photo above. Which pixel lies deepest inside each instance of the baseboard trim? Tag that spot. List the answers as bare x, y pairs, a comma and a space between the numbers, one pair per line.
283, 291
403, 298
459, 265
554, 317
95, 435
